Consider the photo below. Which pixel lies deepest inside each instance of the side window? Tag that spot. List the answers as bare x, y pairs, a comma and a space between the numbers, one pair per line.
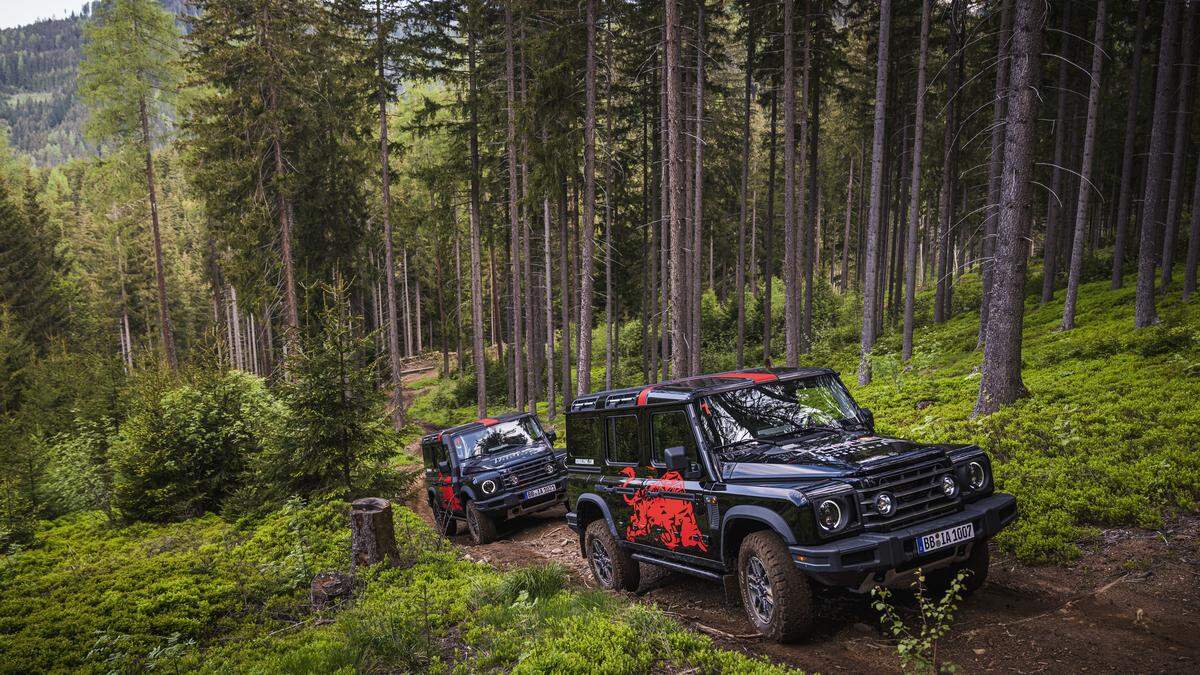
427, 455
623, 443
669, 429
585, 439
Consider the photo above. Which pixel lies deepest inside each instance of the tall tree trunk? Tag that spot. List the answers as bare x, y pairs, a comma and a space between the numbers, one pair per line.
698, 194
1001, 383
514, 218
1182, 132
871, 281
609, 192
944, 244
769, 227
1145, 313
160, 275
389, 261
743, 211
844, 282
458, 295
1054, 201
675, 122
1193, 254
408, 322
549, 309
476, 263
564, 300
587, 242
810, 226
1124, 196
914, 195
664, 220
1085, 180
791, 327
995, 166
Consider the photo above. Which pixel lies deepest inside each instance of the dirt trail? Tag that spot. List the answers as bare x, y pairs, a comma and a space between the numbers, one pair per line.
1131, 603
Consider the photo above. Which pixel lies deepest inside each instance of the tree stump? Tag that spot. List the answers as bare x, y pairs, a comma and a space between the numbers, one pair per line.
328, 589
372, 534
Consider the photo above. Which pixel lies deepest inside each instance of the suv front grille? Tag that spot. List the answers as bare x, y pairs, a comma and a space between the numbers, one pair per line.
529, 473
916, 490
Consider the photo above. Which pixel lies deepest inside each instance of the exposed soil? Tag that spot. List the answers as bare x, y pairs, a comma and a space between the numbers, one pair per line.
1131, 603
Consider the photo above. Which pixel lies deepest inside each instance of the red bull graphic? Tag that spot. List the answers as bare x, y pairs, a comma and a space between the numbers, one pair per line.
672, 521
446, 492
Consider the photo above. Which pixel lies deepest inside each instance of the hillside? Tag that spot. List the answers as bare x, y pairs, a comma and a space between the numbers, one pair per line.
38, 98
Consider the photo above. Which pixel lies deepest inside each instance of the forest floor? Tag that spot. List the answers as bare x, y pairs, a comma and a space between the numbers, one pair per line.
1130, 603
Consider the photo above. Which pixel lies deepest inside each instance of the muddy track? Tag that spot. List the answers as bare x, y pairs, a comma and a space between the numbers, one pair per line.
1131, 603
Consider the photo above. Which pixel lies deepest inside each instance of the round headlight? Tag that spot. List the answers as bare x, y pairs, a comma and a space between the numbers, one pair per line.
829, 515
884, 504
976, 476
949, 486
488, 486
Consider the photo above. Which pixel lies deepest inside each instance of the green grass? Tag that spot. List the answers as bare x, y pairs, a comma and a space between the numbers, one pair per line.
215, 596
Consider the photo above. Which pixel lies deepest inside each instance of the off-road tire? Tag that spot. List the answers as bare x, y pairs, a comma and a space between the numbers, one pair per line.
624, 574
480, 525
791, 616
443, 521
977, 564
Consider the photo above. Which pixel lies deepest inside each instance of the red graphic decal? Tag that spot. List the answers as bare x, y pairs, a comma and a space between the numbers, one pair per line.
641, 399
446, 491
672, 521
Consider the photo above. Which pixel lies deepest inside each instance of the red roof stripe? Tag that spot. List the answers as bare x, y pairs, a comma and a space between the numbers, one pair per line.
641, 399
753, 377
488, 421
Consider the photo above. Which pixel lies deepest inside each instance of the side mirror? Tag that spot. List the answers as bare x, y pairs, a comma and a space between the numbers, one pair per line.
868, 418
676, 459
551, 435
443, 467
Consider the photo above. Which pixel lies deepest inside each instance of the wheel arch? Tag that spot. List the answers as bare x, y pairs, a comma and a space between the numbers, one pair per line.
588, 509
744, 520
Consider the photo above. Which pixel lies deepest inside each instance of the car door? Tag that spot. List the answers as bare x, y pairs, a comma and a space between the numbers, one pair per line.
622, 476
676, 507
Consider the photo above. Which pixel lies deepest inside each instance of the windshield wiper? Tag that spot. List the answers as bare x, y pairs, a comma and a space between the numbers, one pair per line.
745, 441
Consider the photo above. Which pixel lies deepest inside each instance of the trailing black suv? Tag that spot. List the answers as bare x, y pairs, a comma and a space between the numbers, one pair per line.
772, 481
490, 470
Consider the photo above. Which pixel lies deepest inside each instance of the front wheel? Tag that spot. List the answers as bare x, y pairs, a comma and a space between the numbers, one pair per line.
612, 566
480, 524
777, 596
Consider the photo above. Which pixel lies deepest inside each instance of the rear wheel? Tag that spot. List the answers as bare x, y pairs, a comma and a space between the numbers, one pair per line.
443, 520
480, 524
612, 566
776, 595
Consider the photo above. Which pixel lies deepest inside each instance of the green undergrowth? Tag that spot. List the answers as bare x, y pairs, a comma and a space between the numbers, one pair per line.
1107, 436
215, 596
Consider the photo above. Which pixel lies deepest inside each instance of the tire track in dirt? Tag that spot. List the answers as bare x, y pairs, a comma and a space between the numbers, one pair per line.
1129, 604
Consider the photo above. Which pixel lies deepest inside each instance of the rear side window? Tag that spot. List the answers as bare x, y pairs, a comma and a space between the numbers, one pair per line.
623, 445
584, 441
669, 429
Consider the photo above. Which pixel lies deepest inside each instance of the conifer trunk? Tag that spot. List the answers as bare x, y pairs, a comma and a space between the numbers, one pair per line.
1085, 180
587, 238
514, 219
914, 196
389, 259
160, 276
995, 166
1124, 195
790, 292
740, 282
874, 218
675, 122
1182, 128
476, 266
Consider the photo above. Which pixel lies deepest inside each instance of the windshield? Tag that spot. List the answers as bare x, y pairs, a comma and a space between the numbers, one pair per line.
516, 433
771, 411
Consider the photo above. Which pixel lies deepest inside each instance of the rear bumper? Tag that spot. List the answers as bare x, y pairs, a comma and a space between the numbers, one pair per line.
514, 503
846, 561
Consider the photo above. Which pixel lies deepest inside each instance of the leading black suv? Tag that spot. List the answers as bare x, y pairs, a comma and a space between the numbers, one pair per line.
490, 470
772, 481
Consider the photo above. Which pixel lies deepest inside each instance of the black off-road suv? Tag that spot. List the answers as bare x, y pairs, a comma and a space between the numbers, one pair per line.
773, 482
490, 470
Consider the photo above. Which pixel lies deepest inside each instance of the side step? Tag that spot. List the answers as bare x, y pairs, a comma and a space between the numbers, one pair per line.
678, 567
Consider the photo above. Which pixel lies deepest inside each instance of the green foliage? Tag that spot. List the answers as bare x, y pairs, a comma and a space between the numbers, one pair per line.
186, 447
917, 645
336, 435
28, 269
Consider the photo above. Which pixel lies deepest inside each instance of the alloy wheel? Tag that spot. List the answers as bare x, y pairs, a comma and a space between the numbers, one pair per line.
758, 590
601, 563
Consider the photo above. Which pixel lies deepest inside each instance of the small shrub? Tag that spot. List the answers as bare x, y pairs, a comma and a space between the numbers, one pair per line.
917, 644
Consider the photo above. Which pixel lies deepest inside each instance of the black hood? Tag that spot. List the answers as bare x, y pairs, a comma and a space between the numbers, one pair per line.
505, 458
825, 454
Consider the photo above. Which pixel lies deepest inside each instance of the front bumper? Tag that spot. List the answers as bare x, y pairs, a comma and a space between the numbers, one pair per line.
512, 504
845, 561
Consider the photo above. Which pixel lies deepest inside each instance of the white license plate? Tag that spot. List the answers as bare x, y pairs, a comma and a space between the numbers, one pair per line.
539, 491
944, 538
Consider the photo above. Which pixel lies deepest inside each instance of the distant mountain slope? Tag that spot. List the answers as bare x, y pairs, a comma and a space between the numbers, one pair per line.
38, 98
